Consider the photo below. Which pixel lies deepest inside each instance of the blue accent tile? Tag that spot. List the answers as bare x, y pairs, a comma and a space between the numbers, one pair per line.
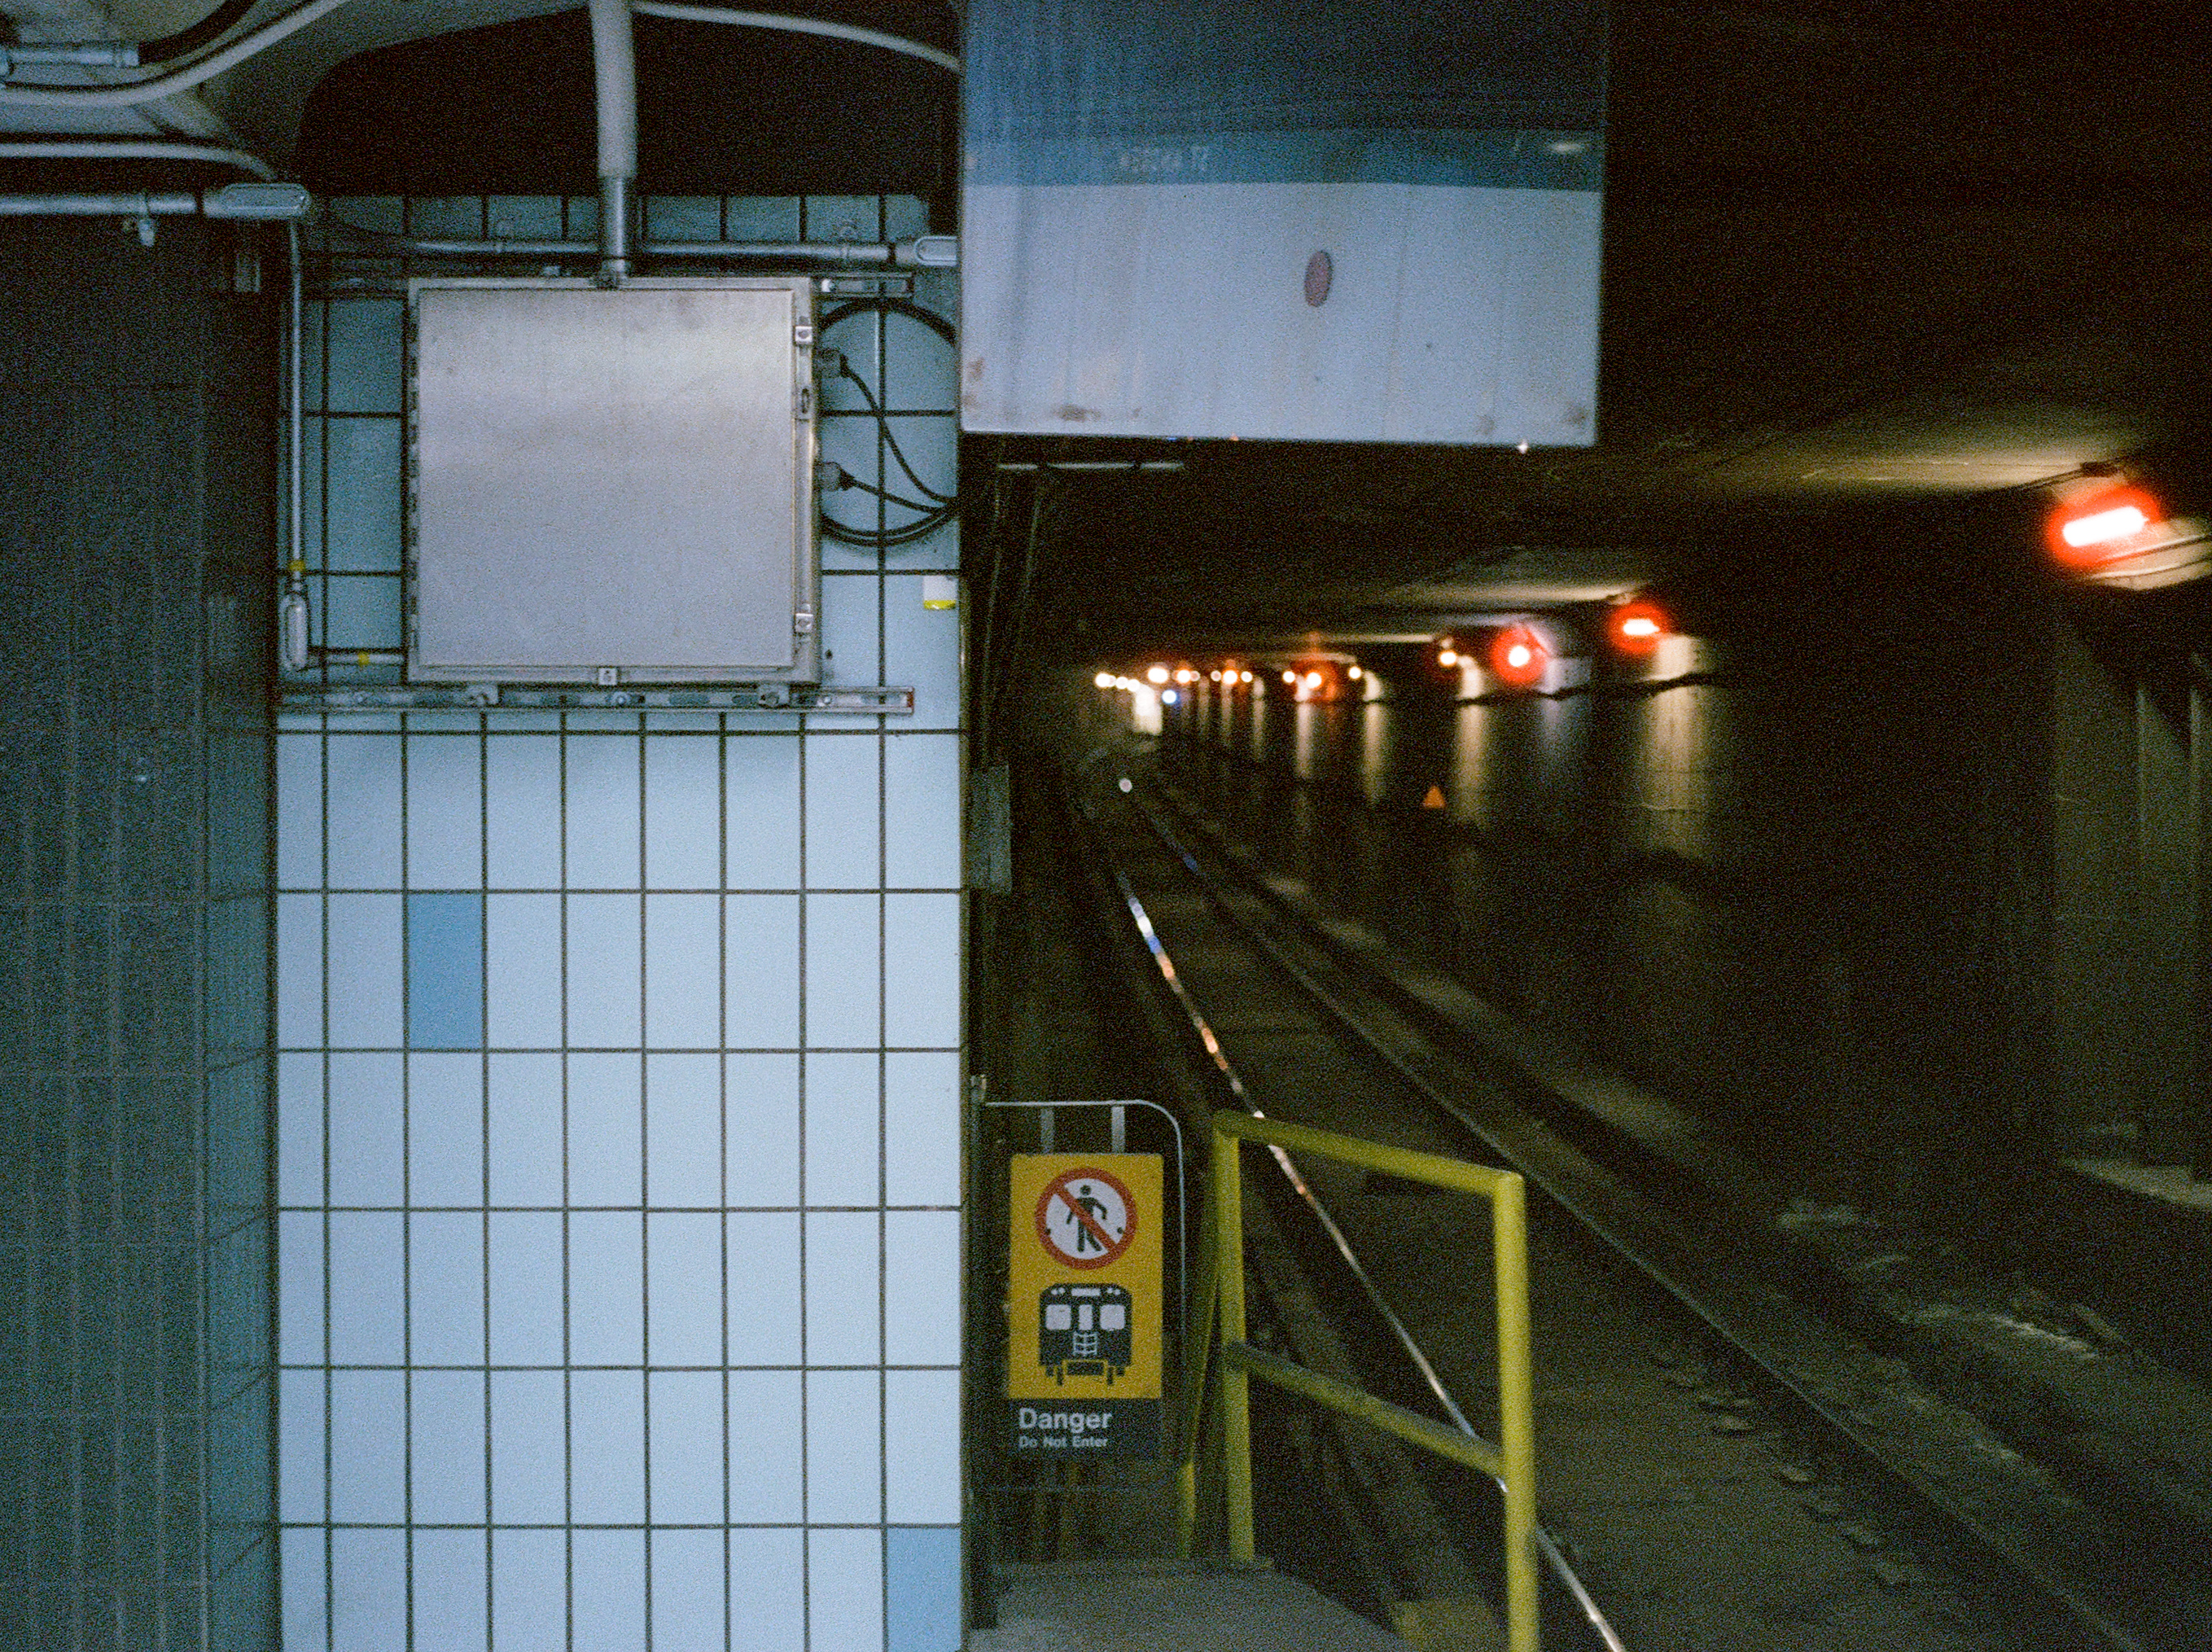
444, 972
921, 1587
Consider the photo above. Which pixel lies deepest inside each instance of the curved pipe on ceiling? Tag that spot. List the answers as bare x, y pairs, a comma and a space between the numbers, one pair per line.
93, 149
770, 19
129, 94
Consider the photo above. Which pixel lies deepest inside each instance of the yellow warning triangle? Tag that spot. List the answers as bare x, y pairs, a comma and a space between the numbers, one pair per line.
1435, 799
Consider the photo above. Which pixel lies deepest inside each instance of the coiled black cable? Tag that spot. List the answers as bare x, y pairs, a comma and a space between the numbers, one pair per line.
943, 506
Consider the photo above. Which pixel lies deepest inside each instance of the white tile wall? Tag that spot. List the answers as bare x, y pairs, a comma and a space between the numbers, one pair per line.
595, 1338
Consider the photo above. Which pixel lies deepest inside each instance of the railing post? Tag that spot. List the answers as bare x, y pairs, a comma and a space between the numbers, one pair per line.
1197, 1357
1517, 1424
1228, 1190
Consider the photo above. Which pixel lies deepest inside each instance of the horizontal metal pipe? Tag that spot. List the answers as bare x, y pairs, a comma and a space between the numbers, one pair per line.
170, 204
887, 253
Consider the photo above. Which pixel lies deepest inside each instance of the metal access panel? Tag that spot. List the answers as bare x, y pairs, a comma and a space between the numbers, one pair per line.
612, 485
1362, 221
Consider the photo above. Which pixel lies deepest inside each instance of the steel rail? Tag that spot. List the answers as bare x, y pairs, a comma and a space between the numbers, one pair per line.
1233, 1082
1625, 1222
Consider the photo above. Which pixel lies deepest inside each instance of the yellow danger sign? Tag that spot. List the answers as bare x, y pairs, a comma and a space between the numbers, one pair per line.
1084, 1313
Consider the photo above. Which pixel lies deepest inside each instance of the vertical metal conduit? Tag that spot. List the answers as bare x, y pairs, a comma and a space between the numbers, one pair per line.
614, 68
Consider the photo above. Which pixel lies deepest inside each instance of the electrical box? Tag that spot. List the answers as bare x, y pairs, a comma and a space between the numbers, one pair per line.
608, 486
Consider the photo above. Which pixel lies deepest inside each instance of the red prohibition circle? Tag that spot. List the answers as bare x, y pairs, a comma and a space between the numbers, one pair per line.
1057, 1190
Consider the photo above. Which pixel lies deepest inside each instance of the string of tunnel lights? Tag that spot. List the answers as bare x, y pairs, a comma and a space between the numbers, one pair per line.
2101, 526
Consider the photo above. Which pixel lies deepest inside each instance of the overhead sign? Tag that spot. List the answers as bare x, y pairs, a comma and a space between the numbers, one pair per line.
1084, 1307
1366, 222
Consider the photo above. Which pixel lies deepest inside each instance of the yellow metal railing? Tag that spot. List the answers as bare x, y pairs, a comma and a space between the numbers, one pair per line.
1215, 1345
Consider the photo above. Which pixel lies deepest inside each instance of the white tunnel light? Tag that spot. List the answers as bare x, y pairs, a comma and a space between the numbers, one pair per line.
1169, 696
1313, 680
1156, 674
1639, 625
2118, 523
1519, 655
1103, 680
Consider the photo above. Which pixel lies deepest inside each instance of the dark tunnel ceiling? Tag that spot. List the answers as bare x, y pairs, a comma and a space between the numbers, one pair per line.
1858, 257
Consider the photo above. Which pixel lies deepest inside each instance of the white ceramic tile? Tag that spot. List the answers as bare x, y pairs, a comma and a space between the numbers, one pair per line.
444, 722
922, 1126
299, 971
601, 792
685, 1449
845, 1588
359, 611
681, 722
688, 1581
921, 647
445, 809
683, 1289
760, 971
305, 1606
682, 1129
762, 821
529, 1591
522, 971
366, 501
768, 1590
605, 1114
445, 1128
446, 1460
526, 1276
368, 1589
299, 810
844, 1288
763, 1287
365, 971
683, 813
682, 971
607, 1446
299, 1287
299, 1445
606, 1288
522, 811
921, 1288
368, 1303
761, 1133
447, 1572
364, 819
604, 954
527, 1148
368, 1445
367, 1128
445, 1288
922, 773
844, 1127
921, 1468
764, 1471
606, 1598
365, 354
844, 971
603, 721
529, 1422
851, 634
300, 1129
921, 970
844, 802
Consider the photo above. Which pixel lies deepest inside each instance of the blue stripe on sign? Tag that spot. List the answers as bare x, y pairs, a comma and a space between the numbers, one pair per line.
1460, 159
921, 1579
444, 972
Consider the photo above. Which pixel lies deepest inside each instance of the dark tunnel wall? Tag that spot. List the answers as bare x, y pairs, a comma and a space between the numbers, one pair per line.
1893, 872
138, 431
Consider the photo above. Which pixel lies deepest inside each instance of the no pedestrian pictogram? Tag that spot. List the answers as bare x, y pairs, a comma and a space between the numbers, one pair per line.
1086, 1218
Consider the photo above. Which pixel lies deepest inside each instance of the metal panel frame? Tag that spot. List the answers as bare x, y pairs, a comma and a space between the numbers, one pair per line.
801, 663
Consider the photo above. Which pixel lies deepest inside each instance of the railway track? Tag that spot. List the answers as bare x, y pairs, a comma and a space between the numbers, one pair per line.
1721, 1467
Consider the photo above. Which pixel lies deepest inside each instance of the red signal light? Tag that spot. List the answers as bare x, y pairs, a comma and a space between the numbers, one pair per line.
1636, 628
2096, 528
1518, 657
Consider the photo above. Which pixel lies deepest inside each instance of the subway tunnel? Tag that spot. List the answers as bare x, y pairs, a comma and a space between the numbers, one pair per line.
504, 1149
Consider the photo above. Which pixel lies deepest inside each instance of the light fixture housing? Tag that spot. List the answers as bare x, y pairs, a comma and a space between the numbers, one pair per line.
1518, 657
2096, 525
1636, 628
